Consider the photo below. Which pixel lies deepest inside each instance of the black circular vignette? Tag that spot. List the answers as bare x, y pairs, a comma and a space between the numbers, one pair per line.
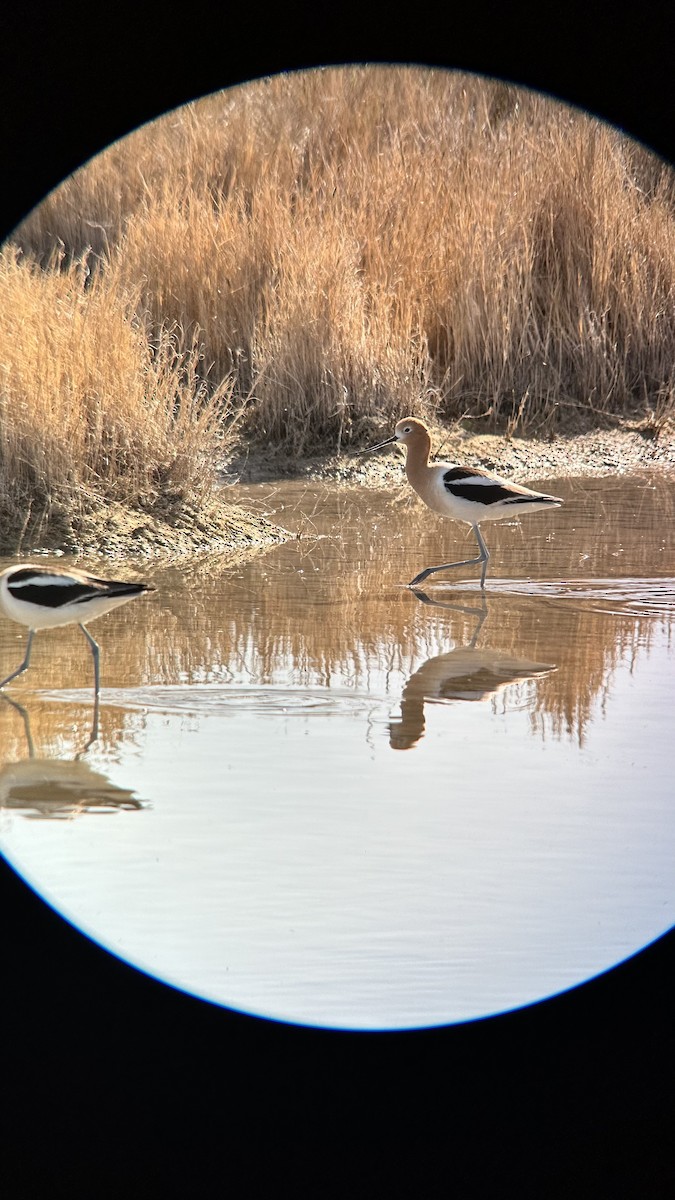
107, 1072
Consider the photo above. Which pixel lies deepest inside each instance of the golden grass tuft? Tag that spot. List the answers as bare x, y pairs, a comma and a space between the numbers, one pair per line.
93, 410
350, 244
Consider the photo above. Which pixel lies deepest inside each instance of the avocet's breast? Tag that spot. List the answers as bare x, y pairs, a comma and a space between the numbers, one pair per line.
459, 492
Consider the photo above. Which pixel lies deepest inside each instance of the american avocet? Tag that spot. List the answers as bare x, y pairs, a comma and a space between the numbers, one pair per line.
463, 493
44, 597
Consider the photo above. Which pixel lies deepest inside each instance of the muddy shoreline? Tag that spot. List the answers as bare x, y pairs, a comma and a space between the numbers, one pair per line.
227, 526
221, 526
594, 453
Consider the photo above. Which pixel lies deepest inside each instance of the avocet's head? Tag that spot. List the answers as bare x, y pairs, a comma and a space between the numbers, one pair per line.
408, 430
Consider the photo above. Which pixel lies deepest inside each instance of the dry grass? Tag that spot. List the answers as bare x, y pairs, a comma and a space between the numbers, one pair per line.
92, 409
346, 245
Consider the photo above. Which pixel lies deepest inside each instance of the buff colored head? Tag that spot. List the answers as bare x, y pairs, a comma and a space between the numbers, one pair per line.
409, 430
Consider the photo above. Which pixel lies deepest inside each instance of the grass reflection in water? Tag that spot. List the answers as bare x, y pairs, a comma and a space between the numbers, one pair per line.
327, 610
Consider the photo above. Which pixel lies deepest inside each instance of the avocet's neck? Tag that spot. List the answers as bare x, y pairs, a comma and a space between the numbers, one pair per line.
418, 448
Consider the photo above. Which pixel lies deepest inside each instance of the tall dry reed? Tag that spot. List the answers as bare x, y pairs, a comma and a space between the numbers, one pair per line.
353, 243
92, 410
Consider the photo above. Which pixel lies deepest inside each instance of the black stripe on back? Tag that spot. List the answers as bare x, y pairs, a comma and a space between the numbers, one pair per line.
482, 493
467, 473
529, 499
45, 595
113, 589
463, 484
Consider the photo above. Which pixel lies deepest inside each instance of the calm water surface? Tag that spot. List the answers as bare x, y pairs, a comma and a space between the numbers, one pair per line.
319, 797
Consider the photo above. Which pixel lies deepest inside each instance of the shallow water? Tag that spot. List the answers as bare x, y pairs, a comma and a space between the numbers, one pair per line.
320, 797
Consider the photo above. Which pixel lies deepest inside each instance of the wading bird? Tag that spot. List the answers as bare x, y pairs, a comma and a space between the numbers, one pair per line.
462, 493
45, 597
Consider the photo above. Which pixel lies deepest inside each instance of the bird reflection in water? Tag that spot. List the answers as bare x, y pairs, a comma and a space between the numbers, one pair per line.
464, 673
58, 788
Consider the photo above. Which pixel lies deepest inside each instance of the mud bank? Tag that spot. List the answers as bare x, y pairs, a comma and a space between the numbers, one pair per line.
222, 525
594, 453
117, 531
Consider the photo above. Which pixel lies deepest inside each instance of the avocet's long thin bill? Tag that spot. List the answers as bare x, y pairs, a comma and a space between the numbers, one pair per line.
386, 442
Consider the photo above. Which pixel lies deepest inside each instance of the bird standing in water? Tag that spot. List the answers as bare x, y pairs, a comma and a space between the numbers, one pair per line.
462, 493
45, 597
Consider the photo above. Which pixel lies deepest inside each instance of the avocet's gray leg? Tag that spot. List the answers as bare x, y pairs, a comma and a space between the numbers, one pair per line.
467, 562
484, 553
95, 652
25, 662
